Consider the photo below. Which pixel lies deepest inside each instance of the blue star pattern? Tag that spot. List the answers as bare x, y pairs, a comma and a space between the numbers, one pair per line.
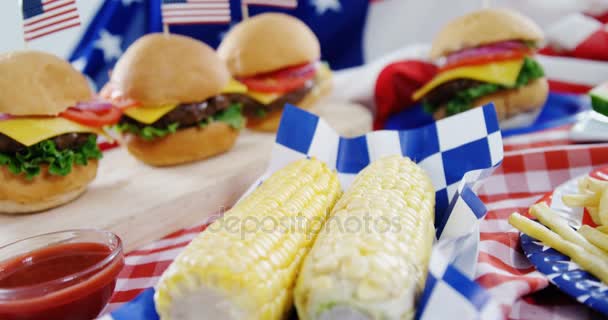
566, 275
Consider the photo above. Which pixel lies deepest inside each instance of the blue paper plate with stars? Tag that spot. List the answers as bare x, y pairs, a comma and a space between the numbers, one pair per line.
558, 268
566, 275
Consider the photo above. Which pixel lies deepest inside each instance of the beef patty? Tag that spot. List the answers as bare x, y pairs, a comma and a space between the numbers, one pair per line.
62, 142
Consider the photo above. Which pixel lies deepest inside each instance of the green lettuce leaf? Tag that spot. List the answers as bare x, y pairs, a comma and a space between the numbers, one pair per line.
232, 116
464, 99
260, 113
60, 162
147, 133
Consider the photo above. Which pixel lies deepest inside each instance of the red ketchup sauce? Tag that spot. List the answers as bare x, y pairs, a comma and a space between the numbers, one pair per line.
69, 281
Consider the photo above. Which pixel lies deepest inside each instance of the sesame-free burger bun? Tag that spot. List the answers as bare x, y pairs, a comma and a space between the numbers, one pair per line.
512, 102
160, 69
19, 195
268, 42
185, 145
484, 27
38, 83
271, 122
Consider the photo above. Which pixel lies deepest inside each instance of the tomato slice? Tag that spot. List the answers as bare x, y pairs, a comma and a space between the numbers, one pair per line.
108, 93
282, 81
483, 59
93, 118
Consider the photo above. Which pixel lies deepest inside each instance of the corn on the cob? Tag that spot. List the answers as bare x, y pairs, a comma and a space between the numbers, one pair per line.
378, 271
242, 267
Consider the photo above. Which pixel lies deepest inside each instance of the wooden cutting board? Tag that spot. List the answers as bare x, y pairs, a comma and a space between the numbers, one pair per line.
142, 203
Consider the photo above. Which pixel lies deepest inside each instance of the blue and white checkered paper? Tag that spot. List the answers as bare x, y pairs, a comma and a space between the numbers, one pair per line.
456, 152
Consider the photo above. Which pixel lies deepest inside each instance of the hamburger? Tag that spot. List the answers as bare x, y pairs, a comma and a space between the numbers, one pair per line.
49, 124
170, 89
487, 56
274, 59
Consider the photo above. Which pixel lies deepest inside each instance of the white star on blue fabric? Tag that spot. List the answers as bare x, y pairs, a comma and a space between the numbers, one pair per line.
583, 298
109, 44
323, 5
540, 244
127, 3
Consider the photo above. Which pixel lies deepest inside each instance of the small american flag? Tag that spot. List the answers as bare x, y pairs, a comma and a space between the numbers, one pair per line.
291, 4
196, 11
44, 17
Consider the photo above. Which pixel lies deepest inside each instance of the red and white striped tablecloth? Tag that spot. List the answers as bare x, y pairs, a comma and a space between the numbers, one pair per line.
534, 164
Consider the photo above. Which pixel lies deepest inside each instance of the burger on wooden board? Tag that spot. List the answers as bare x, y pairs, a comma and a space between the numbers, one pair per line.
488, 56
274, 59
171, 90
49, 122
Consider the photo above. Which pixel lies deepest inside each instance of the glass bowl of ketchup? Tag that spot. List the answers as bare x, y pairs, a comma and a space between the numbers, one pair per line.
67, 275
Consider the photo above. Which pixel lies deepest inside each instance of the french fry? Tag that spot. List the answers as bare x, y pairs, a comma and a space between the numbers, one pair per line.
596, 237
553, 221
595, 185
594, 213
583, 185
584, 259
581, 200
603, 229
603, 208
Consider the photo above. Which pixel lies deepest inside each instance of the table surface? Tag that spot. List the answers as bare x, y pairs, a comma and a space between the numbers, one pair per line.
534, 164
142, 203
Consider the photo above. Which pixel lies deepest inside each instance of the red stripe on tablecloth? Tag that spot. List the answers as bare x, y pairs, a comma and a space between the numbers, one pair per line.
151, 269
568, 87
505, 213
504, 196
125, 296
491, 280
501, 265
161, 249
509, 239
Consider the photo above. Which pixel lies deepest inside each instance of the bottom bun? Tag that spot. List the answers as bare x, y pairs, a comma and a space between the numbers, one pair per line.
183, 146
19, 195
271, 122
512, 102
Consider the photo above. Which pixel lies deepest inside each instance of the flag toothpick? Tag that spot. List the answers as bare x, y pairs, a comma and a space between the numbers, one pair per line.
43, 18
184, 12
25, 45
244, 10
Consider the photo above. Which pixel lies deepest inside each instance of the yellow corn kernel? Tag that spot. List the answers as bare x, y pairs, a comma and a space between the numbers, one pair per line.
244, 265
374, 250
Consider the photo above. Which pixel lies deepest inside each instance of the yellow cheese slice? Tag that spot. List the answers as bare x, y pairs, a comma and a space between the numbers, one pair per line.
263, 97
504, 73
235, 86
148, 115
29, 131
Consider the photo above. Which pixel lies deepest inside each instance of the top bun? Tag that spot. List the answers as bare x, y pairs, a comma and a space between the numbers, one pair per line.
160, 69
268, 42
38, 83
484, 27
